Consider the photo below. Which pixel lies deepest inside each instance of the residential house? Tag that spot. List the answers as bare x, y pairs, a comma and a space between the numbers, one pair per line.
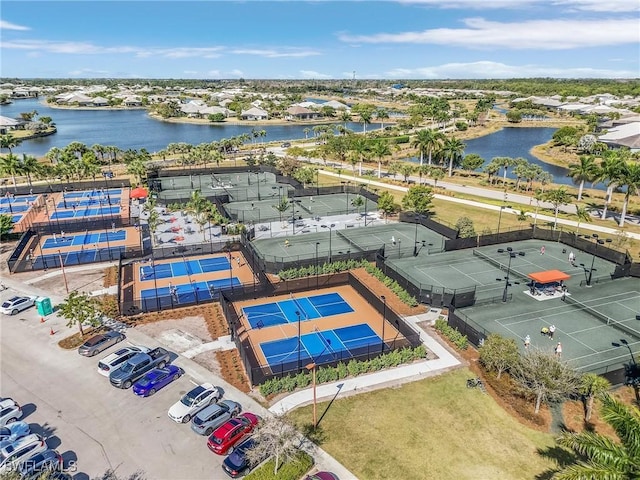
254, 113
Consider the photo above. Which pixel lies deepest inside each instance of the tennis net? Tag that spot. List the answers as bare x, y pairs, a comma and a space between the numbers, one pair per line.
501, 266
603, 318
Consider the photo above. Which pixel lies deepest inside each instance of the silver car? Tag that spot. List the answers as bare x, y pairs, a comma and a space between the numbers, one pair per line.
16, 304
10, 411
98, 343
20, 451
211, 417
114, 360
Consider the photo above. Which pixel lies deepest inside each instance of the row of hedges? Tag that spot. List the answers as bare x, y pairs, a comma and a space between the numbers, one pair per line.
324, 269
392, 285
291, 470
452, 334
342, 370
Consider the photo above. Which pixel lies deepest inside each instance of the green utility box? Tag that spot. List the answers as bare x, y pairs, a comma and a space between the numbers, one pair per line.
43, 304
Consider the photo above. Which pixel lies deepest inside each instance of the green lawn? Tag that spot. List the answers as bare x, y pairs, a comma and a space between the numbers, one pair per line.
432, 429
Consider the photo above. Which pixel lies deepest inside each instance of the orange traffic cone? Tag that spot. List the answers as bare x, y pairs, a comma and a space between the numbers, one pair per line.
51, 332
41, 319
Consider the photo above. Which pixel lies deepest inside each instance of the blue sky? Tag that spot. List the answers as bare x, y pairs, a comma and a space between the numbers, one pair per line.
404, 39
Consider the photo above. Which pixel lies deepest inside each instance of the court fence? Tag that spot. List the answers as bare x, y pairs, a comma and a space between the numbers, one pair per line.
66, 186
258, 373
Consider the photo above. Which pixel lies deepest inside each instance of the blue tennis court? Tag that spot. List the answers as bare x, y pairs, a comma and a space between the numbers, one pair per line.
277, 313
321, 346
16, 200
154, 299
5, 209
93, 193
76, 258
89, 202
85, 212
85, 239
183, 268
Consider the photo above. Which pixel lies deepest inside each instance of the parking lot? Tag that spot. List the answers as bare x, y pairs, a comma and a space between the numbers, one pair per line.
91, 423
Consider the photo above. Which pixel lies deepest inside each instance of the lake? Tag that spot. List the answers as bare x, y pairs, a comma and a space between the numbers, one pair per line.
136, 130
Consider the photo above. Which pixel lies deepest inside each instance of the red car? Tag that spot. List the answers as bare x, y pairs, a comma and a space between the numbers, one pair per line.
227, 435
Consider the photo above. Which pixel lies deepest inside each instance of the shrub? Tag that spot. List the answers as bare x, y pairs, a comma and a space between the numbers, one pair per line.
459, 340
292, 470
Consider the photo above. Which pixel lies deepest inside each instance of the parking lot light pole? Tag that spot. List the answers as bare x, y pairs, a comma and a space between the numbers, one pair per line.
384, 316
64, 275
312, 368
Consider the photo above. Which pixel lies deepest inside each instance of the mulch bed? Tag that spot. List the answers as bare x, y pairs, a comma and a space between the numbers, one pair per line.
110, 277
232, 370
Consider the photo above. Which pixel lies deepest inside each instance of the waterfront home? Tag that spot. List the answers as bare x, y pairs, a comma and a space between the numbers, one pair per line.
254, 113
297, 112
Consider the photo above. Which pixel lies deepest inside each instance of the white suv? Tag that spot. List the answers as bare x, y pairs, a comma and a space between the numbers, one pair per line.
10, 411
111, 362
16, 304
20, 451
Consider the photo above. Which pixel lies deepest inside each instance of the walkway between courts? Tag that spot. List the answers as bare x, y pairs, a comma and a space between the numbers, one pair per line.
442, 362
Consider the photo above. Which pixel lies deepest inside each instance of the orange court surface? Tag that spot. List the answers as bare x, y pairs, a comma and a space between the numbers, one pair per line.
332, 323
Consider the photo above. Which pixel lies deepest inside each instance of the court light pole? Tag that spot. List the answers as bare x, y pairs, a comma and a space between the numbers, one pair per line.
330, 227
512, 255
415, 237
598, 241
64, 275
384, 317
317, 281
299, 339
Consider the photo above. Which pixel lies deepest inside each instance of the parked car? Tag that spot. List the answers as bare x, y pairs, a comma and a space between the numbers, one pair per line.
48, 461
193, 401
237, 464
137, 366
10, 411
16, 304
211, 417
100, 342
113, 361
322, 476
12, 432
285, 145
223, 438
21, 450
156, 379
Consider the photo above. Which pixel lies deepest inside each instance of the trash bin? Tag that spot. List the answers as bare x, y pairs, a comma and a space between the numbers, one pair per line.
43, 304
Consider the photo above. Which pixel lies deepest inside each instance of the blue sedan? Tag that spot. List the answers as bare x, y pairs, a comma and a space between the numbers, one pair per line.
156, 379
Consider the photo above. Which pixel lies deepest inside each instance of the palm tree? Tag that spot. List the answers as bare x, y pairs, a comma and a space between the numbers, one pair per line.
345, 116
306, 132
9, 142
453, 148
629, 178
423, 170
438, 174
382, 114
583, 215
427, 141
583, 171
199, 206
557, 198
592, 385
10, 165
504, 163
30, 166
380, 149
600, 457
360, 148
609, 173
365, 118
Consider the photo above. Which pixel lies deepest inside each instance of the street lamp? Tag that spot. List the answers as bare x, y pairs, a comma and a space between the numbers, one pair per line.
299, 341
330, 227
384, 316
512, 255
312, 367
500, 217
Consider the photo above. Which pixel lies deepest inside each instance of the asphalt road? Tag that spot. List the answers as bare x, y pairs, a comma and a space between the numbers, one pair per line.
89, 422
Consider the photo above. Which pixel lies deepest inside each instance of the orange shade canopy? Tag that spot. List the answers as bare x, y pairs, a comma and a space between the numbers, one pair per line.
139, 193
548, 276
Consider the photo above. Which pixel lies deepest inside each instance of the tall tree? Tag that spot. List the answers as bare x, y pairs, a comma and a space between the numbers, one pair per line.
275, 437
583, 215
282, 207
418, 199
9, 142
80, 309
591, 386
427, 142
629, 179
609, 173
380, 149
599, 457
505, 163
583, 171
453, 149
557, 198
10, 165
545, 377
498, 353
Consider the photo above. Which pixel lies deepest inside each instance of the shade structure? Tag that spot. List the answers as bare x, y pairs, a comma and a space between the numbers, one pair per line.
548, 276
139, 193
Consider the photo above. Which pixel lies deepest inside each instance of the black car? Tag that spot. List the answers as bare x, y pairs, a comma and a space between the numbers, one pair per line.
98, 343
285, 145
47, 461
237, 464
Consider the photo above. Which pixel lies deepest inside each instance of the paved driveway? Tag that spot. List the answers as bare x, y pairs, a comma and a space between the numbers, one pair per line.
89, 421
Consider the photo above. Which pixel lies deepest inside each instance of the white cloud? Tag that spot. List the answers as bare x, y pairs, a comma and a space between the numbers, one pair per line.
533, 34
487, 69
470, 4
4, 25
610, 6
236, 73
270, 53
88, 72
313, 74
